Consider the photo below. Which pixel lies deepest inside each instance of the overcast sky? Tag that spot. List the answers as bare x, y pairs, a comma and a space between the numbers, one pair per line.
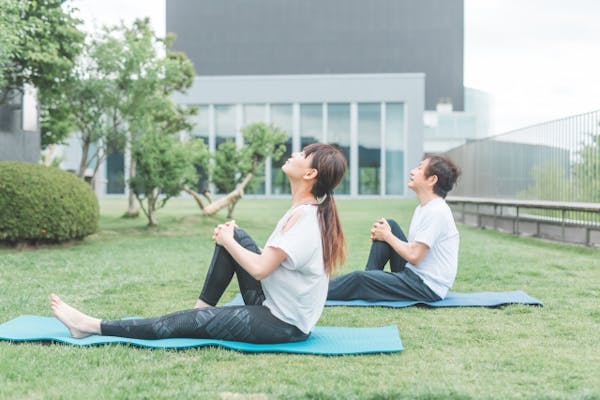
538, 59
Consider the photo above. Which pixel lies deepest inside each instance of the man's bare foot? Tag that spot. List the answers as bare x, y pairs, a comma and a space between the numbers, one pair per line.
80, 325
202, 304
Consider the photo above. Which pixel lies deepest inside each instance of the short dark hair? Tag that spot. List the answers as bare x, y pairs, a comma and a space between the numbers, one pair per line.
446, 171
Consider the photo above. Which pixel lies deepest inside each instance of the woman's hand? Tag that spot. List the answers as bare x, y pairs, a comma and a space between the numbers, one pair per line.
380, 230
223, 233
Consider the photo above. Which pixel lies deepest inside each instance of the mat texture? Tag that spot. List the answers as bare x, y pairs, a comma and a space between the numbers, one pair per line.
324, 340
476, 299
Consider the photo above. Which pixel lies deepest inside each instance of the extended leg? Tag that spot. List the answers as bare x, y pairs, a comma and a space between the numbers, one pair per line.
254, 324
380, 286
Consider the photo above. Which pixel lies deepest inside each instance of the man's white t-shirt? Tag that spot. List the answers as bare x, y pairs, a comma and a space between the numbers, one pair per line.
296, 291
433, 225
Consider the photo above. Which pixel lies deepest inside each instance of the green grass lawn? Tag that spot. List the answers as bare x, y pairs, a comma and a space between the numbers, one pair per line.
126, 269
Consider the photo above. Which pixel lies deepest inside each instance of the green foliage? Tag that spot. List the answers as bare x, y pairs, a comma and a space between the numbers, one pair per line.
43, 42
164, 166
121, 89
586, 172
229, 166
550, 182
232, 165
9, 36
512, 352
44, 204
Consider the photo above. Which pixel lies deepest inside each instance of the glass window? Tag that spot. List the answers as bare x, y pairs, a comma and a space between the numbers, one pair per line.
394, 148
115, 173
224, 123
338, 134
369, 147
311, 123
225, 120
200, 131
201, 128
255, 113
281, 117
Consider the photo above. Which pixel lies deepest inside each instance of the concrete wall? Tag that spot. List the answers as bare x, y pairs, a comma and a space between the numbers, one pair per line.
15, 143
275, 37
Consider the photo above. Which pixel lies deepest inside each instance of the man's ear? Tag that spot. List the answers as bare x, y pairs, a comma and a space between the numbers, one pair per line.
432, 180
311, 173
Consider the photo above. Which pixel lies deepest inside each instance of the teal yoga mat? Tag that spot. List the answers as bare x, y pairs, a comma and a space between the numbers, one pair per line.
324, 340
475, 299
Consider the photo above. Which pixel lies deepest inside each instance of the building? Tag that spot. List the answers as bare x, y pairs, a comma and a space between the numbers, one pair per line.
349, 72
19, 128
446, 128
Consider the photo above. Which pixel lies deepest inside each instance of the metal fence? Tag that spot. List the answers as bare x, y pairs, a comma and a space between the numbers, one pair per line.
557, 161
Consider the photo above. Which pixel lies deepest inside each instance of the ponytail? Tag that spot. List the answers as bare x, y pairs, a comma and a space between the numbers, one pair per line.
331, 166
332, 236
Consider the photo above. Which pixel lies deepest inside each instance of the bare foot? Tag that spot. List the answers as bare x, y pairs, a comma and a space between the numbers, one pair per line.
201, 304
80, 325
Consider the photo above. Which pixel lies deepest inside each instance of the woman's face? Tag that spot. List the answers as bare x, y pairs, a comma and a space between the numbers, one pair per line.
297, 165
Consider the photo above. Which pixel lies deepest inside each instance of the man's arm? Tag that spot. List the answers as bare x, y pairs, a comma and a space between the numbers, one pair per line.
413, 252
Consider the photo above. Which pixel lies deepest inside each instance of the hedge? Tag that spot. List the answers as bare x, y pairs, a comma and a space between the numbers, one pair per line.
44, 204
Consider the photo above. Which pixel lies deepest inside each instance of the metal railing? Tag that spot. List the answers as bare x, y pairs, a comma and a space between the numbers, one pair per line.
547, 167
563, 221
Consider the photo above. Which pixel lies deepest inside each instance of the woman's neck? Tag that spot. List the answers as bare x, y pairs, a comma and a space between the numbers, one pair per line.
302, 196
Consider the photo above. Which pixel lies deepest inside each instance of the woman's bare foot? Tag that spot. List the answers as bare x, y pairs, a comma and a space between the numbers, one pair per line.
80, 325
202, 304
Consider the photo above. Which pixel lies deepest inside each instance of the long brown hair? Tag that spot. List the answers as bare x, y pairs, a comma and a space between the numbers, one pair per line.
331, 166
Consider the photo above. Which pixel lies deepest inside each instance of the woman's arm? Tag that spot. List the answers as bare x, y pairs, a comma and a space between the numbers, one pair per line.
413, 252
258, 265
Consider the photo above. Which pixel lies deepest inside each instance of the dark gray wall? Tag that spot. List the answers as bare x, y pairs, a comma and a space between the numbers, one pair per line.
258, 37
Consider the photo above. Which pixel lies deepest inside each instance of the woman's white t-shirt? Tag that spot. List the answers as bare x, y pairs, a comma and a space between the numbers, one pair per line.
433, 225
296, 291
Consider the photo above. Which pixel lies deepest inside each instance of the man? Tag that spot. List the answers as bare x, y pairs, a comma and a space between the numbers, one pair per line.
424, 266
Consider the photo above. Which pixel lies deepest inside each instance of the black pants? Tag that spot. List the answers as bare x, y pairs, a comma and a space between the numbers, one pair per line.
252, 323
374, 284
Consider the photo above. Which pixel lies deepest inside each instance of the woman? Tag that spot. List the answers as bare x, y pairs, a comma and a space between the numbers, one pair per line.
284, 286
423, 267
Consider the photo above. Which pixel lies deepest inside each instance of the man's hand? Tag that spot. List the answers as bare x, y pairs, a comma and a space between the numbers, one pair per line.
380, 230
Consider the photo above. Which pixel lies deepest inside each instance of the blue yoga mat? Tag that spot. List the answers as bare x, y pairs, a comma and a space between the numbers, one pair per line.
324, 340
476, 299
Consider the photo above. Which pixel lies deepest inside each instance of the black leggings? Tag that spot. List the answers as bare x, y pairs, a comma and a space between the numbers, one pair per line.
252, 323
374, 284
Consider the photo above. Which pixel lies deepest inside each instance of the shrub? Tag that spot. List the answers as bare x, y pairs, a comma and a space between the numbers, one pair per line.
44, 204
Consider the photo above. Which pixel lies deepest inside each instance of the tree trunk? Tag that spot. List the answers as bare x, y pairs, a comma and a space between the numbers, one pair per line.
84, 158
228, 200
133, 210
195, 196
152, 219
49, 155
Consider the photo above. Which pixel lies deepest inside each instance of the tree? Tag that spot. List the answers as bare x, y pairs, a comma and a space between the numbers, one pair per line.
9, 37
151, 79
235, 167
89, 103
550, 181
42, 41
165, 166
122, 87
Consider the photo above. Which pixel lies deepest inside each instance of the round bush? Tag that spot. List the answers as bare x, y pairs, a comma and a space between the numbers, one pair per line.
44, 204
